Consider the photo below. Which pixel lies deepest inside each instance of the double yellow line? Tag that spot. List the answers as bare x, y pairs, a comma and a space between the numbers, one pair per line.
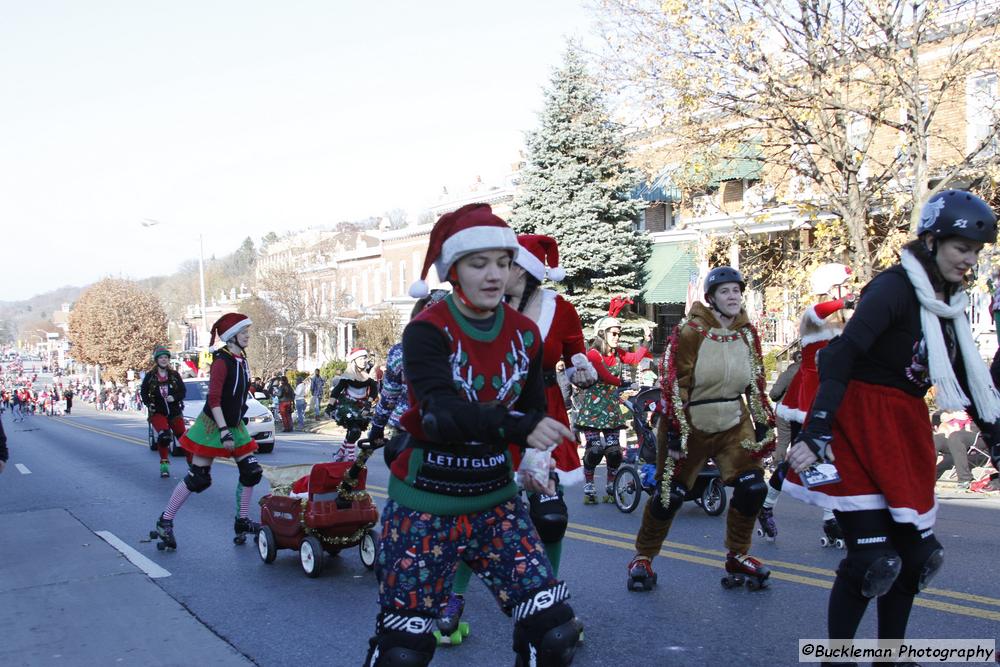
780, 570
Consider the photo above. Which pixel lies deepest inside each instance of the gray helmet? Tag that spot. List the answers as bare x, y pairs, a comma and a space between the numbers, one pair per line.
720, 275
958, 213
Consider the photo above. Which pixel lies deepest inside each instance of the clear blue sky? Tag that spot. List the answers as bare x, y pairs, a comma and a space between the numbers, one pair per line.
237, 118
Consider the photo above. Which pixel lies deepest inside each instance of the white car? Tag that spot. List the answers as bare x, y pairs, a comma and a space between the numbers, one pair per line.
260, 421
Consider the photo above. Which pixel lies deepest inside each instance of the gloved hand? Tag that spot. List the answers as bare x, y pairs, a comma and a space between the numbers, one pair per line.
811, 446
584, 373
376, 433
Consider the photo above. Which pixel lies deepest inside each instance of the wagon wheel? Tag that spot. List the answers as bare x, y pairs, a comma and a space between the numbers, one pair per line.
311, 556
368, 549
265, 545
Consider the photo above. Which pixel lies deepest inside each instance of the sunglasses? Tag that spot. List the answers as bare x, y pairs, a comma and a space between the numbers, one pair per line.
614, 332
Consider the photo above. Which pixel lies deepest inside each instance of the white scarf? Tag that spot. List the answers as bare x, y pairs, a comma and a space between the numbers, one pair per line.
948, 392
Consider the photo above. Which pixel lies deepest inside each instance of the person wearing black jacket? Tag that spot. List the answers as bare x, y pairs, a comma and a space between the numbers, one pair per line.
869, 419
162, 392
4, 454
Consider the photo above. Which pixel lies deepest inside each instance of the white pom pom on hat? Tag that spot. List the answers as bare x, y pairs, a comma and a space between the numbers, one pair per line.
419, 289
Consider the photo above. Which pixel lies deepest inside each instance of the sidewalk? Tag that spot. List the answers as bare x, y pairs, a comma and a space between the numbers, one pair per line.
98, 608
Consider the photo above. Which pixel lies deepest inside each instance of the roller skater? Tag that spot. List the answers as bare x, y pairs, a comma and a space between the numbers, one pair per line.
219, 431
869, 419
562, 340
743, 569
713, 404
452, 495
818, 325
162, 392
351, 398
600, 417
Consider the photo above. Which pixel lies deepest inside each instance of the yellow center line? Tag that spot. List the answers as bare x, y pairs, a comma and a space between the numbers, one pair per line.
718, 557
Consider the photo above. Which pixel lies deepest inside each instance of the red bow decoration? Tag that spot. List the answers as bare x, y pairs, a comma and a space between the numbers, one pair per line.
617, 304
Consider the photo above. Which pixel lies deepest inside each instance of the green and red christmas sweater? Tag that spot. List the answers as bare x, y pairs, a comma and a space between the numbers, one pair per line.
475, 388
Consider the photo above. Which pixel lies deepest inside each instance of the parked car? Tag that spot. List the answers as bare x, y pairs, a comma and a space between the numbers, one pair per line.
260, 422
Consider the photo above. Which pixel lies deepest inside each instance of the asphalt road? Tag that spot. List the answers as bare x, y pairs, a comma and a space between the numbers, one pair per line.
98, 468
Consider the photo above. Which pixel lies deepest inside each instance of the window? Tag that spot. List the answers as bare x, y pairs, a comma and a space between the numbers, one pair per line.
981, 114
402, 276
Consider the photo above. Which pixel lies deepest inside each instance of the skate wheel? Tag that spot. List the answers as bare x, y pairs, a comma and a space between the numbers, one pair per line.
760, 533
153, 535
753, 584
824, 542
727, 583
455, 638
160, 546
840, 544
438, 638
463, 627
240, 539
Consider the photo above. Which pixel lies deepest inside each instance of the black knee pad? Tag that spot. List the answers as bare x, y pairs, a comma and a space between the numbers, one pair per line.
198, 478
353, 435
778, 477
550, 516
871, 571
664, 511
749, 492
403, 640
614, 456
250, 471
163, 439
545, 636
921, 562
593, 455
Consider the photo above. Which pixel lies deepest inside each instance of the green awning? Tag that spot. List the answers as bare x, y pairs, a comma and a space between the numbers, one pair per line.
747, 162
668, 272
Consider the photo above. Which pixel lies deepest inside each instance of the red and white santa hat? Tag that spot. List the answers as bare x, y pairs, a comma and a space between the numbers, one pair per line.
228, 326
541, 258
471, 228
356, 353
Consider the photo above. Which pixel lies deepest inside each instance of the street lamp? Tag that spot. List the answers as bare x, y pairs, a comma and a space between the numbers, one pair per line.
149, 222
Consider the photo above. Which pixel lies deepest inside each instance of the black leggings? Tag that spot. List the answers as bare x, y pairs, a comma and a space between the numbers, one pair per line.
880, 538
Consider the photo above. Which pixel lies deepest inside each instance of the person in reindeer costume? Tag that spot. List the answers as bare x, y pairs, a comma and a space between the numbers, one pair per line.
819, 324
350, 399
713, 405
600, 417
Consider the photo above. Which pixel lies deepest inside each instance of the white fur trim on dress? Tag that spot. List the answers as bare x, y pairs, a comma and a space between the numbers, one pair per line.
527, 261
547, 313
235, 329
827, 333
571, 477
790, 414
870, 501
472, 240
813, 317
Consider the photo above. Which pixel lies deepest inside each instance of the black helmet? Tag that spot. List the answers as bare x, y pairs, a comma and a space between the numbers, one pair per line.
958, 213
720, 275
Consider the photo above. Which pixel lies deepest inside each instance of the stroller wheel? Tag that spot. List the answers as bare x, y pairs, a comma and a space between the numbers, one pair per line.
311, 556
627, 489
713, 498
368, 549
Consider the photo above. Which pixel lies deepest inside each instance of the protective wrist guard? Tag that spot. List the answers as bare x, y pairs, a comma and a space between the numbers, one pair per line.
819, 444
225, 435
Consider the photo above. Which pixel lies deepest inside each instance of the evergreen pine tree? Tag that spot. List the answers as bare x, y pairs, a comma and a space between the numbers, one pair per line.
576, 188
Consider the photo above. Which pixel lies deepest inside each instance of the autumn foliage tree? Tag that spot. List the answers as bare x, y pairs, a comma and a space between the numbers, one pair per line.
117, 324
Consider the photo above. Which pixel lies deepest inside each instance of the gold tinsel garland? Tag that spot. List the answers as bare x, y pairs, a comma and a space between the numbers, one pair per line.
760, 408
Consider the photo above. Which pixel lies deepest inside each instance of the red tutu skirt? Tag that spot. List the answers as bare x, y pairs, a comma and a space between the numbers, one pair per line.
884, 451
